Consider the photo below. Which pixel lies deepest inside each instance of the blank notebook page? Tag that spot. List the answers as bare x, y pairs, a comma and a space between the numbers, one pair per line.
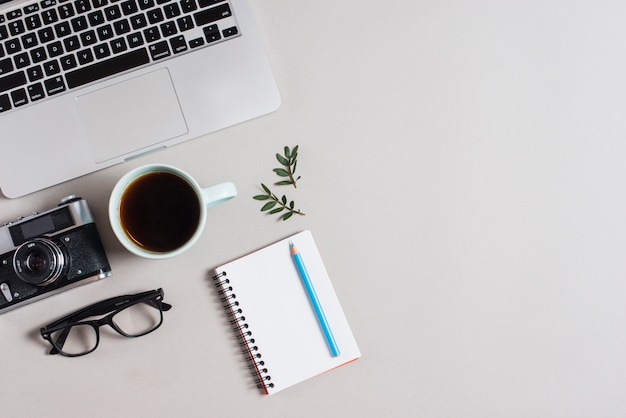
276, 310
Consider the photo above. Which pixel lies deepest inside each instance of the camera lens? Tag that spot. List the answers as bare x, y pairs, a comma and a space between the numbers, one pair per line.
36, 262
39, 262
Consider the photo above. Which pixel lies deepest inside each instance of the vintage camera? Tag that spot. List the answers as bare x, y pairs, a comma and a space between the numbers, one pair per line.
46, 253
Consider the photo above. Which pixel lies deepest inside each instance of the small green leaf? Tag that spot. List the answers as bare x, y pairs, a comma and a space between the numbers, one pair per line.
284, 183
261, 197
268, 206
284, 200
284, 161
281, 172
280, 209
266, 189
287, 215
291, 205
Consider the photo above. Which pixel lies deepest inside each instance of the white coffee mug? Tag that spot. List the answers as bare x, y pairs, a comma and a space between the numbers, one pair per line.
159, 211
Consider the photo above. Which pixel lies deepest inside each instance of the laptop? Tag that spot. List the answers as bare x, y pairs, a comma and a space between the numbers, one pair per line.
86, 84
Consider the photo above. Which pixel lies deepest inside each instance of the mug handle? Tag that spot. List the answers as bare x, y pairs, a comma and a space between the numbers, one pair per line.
219, 193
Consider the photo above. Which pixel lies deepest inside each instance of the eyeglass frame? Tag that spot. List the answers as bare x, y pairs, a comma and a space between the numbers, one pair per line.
111, 306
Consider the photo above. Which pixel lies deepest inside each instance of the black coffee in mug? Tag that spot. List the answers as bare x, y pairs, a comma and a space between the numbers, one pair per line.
159, 211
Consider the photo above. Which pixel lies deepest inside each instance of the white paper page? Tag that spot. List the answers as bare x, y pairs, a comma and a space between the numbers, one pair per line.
280, 316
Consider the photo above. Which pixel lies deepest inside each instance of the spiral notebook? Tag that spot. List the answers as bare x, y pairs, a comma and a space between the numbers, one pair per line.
273, 315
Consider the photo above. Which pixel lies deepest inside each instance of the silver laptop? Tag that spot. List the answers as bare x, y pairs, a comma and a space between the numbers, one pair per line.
85, 84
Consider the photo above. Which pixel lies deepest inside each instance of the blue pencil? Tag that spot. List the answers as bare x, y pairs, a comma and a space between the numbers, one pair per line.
314, 300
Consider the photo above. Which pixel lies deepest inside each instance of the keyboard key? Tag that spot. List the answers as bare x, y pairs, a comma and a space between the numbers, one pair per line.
29, 40
178, 44
31, 8
55, 49
51, 68
13, 46
88, 38
62, 29
32, 22
155, 16
38, 54
138, 21
129, 7
107, 68
213, 14
145, 4
5, 103
85, 56
121, 27
49, 16
12, 81
188, 5
79, 23
230, 32
82, 6
6, 66
118, 45
185, 23
68, 62
101, 51
105, 32
152, 34
160, 50
112, 12
211, 33
54, 85
71, 43
34, 73
47, 3
96, 17
21, 60
205, 3
168, 29
14, 14
4, 32
66, 11
99, 3
135, 39
35, 92
16, 27
45, 35
196, 42
19, 97
171, 10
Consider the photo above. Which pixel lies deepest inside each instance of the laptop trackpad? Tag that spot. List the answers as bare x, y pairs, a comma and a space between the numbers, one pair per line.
131, 115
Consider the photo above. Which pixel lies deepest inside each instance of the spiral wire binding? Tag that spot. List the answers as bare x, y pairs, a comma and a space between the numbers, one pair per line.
247, 342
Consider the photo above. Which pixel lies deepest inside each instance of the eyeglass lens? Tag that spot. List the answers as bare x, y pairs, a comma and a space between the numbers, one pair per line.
79, 339
133, 321
138, 319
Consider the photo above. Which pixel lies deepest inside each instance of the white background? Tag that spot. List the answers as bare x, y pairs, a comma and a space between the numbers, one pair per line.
463, 175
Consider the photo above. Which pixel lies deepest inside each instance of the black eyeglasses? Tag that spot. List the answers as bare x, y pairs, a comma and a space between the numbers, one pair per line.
130, 315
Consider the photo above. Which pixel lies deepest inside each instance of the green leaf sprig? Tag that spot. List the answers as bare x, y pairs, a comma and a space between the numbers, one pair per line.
277, 205
289, 161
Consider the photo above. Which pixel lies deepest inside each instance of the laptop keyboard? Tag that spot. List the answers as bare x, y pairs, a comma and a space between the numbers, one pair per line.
52, 46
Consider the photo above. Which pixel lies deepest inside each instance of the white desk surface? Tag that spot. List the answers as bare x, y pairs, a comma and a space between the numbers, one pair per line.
463, 174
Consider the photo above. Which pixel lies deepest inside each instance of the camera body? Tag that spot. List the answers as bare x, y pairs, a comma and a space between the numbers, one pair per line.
46, 253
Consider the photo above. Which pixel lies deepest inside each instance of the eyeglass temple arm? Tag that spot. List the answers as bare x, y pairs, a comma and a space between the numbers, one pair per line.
105, 306
60, 341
